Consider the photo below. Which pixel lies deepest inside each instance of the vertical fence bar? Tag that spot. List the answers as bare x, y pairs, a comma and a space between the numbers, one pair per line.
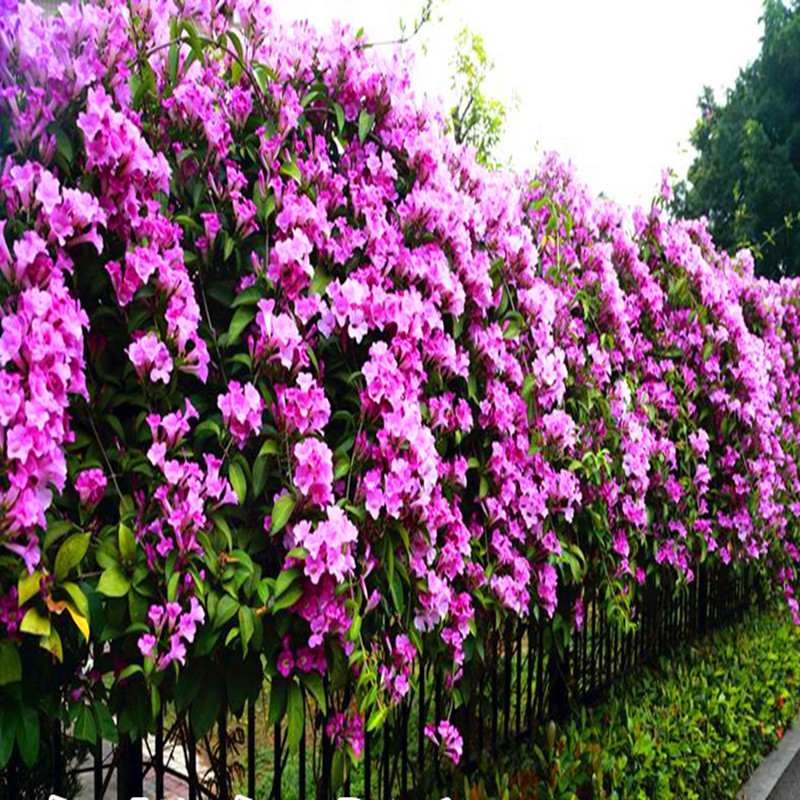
387, 780
540, 673
531, 651
129, 768
367, 766
159, 755
222, 765
251, 753
421, 725
495, 712
98, 769
301, 764
58, 765
594, 643
507, 681
191, 760
519, 678
277, 778
480, 704
404, 772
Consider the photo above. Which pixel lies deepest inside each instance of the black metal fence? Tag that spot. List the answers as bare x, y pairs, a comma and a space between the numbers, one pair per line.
522, 680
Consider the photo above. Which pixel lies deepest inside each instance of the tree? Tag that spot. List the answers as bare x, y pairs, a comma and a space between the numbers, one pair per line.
477, 119
746, 175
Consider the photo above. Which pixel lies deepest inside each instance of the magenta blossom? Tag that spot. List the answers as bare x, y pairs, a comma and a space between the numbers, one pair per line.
91, 486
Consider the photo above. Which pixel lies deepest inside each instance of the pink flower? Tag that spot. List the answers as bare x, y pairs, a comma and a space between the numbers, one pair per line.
304, 408
699, 443
150, 356
447, 737
313, 473
147, 644
91, 486
241, 411
285, 663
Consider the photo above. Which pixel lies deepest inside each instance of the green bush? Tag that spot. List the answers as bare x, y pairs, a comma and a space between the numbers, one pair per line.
693, 727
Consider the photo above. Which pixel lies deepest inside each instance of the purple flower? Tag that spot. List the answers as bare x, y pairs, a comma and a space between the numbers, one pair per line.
91, 486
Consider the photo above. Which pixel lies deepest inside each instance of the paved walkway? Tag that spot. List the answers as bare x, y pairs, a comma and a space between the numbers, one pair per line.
778, 776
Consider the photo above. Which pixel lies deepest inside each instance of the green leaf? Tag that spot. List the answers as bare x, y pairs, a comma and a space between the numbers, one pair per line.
106, 724
249, 297
28, 735
339, 111
205, 708
28, 586
55, 530
342, 468
7, 733
85, 725
52, 643
259, 476
246, 626
313, 682
269, 448
70, 554
34, 623
296, 709
288, 598
10, 663
226, 609
114, 582
281, 512
241, 319
238, 481
64, 146
277, 701
365, 121
130, 670
291, 170
376, 718
174, 61
127, 542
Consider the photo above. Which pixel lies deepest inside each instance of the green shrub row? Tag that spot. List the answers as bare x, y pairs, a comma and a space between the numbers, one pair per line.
693, 727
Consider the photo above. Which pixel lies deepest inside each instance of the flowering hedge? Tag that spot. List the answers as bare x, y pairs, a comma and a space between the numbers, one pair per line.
291, 384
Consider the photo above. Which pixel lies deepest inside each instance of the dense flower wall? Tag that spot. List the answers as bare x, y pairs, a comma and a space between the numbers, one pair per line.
289, 383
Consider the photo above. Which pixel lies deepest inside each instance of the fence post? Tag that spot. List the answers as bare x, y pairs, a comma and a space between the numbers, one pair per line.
129, 768
558, 668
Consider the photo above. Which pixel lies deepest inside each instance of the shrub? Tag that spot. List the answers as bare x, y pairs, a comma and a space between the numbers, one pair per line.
291, 384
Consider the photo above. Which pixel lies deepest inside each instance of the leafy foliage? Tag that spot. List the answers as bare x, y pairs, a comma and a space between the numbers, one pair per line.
746, 175
694, 727
477, 120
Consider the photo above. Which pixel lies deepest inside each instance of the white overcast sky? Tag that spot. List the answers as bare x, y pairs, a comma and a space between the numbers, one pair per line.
610, 84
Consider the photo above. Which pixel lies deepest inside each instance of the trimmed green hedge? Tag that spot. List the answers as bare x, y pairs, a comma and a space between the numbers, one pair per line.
693, 728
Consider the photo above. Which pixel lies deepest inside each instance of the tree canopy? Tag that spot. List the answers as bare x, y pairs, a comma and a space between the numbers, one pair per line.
746, 175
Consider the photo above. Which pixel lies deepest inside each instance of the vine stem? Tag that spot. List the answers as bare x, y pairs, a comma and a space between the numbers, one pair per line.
103, 451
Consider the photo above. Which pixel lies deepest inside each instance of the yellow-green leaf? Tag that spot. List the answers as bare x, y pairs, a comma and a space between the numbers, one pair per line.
28, 586
78, 597
52, 643
113, 582
281, 512
70, 554
80, 621
127, 542
35, 623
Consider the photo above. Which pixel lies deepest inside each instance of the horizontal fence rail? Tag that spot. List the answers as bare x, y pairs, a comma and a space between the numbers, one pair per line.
523, 681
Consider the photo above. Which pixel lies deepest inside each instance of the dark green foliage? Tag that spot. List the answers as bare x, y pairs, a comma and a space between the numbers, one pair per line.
692, 728
746, 176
